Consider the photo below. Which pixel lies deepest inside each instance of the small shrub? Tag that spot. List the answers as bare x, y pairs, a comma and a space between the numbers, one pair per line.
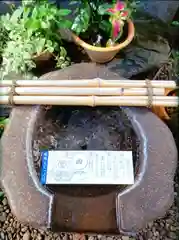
33, 29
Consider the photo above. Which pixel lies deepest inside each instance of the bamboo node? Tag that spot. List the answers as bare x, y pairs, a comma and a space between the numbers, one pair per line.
12, 92
93, 101
98, 81
122, 91
149, 93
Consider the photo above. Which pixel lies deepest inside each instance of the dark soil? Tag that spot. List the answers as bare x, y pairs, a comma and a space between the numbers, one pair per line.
75, 53
85, 128
93, 40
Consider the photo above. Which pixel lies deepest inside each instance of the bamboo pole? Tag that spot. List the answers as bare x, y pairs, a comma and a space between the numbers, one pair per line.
54, 91
89, 83
167, 101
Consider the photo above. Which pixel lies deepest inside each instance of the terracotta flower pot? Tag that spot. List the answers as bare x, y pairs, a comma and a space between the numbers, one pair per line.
161, 111
105, 54
44, 56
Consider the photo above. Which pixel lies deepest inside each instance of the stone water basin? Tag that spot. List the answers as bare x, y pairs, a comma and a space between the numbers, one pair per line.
99, 209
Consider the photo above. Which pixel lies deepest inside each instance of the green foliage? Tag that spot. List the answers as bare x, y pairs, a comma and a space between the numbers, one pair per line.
62, 59
3, 37
94, 17
32, 29
175, 23
88, 17
1, 196
3, 122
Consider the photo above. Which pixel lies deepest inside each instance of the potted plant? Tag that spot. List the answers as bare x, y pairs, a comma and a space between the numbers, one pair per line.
103, 29
33, 36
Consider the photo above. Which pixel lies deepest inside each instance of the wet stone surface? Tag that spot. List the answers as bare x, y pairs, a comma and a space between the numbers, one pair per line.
164, 10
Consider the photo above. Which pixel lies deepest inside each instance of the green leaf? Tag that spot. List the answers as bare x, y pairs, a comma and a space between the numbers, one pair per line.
40, 45
45, 25
16, 14
50, 49
1, 196
5, 18
3, 122
175, 23
102, 10
105, 26
81, 22
2, 119
64, 12
33, 24
11, 35
64, 24
27, 55
26, 13
6, 121
35, 12
49, 43
63, 52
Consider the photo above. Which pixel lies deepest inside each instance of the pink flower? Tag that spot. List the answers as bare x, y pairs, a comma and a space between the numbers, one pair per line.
124, 14
116, 28
117, 7
119, 14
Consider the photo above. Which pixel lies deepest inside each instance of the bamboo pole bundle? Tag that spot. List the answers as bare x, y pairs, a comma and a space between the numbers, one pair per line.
90, 92
167, 101
54, 91
89, 83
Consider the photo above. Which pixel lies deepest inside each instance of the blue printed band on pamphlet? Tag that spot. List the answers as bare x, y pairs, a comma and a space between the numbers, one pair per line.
44, 166
87, 167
